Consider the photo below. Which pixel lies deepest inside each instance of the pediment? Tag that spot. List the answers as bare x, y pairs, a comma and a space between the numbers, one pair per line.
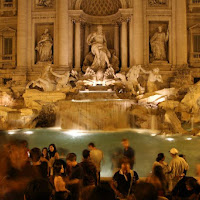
196, 26
7, 29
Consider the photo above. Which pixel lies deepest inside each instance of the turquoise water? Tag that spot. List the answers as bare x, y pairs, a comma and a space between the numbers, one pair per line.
146, 145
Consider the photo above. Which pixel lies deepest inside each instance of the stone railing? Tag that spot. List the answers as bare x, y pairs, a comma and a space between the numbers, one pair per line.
8, 7
194, 4
7, 61
194, 58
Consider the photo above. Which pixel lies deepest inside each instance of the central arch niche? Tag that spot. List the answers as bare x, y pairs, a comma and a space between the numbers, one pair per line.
100, 7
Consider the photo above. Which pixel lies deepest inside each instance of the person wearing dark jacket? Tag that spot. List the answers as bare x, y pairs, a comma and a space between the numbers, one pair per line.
89, 170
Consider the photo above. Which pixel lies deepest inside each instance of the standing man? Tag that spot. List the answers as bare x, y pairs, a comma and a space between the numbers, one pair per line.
75, 176
129, 153
124, 180
89, 170
96, 156
177, 167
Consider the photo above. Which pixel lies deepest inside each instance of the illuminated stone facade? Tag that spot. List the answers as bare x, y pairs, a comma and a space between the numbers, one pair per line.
129, 26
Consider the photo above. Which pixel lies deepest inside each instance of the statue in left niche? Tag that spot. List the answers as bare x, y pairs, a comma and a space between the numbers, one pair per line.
44, 47
44, 82
45, 3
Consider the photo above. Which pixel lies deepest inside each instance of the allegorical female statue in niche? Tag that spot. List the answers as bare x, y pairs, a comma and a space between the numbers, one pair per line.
44, 47
158, 44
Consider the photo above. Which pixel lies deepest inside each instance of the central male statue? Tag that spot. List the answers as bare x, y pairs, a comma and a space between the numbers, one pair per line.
98, 43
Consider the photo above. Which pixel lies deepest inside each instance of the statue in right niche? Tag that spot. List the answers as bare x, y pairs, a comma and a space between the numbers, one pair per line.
158, 44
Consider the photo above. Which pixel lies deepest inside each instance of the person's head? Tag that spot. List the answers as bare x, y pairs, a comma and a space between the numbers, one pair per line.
160, 157
35, 154
125, 165
191, 184
86, 154
182, 156
45, 151
173, 152
39, 189
125, 143
17, 153
91, 146
160, 29
71, 159
58, 168
158, 172
52, 148
145, 191
100, 29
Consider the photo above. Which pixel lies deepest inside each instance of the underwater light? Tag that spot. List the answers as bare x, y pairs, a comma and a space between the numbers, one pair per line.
74, 133
170, 139
189, 138
28, 132
11, 132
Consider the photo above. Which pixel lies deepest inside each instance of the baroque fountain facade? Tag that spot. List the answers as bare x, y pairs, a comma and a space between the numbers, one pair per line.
100, 64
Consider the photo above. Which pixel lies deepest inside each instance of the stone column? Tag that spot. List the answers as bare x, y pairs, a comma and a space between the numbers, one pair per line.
78, 44
71, 42
116, 39
181, 32
22, 33
20, 74
86, 46
63, 33
131, 43
124, 45
137, 23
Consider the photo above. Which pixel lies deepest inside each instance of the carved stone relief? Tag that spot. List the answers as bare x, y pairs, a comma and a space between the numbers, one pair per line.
158, 2
44, 43
158, 41
44, 3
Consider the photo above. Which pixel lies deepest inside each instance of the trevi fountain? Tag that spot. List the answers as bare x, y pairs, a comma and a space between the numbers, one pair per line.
91, 69
76, 71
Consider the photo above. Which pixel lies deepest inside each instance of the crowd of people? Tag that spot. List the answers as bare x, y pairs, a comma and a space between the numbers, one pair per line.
42, 174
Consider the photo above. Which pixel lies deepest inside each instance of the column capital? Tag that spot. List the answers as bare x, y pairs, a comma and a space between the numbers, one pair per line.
77, 19
125, 19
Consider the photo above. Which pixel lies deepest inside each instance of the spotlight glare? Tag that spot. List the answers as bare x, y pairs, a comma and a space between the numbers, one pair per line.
189, 138
11, 132
170, 139
74, 133
28, 132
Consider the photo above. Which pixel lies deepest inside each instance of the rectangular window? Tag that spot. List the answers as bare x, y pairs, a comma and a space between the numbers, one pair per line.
8, 3
7, 47
195, 1
196, 43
